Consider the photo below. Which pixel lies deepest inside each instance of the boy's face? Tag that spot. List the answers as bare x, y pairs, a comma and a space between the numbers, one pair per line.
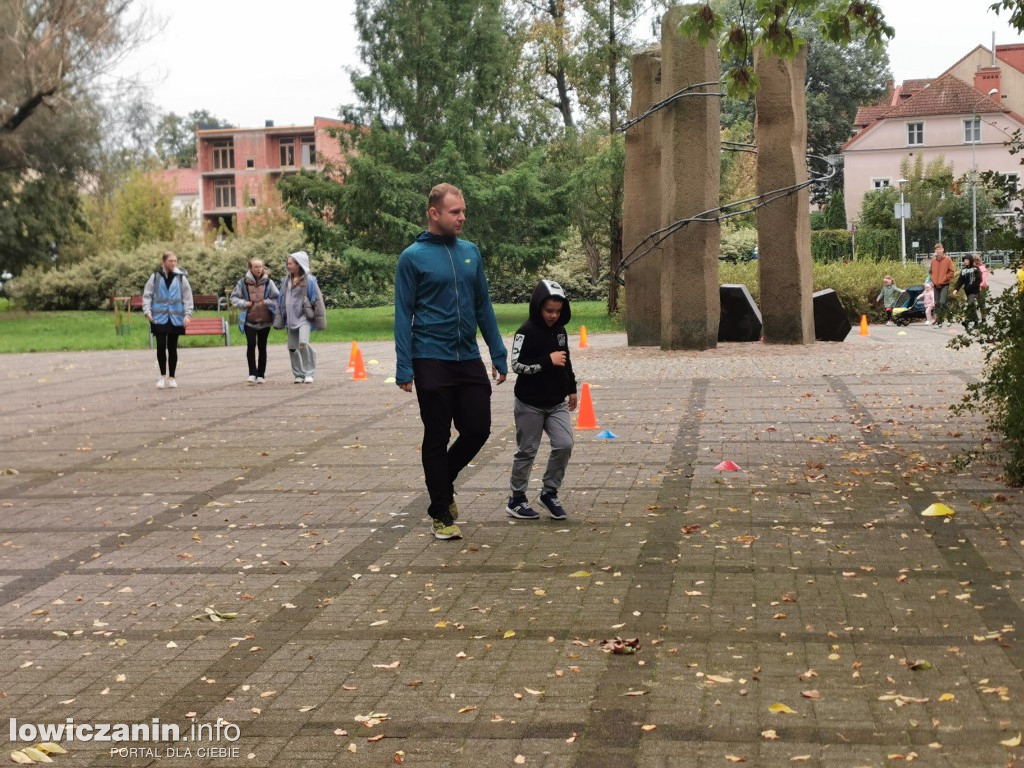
887, 280
551, 310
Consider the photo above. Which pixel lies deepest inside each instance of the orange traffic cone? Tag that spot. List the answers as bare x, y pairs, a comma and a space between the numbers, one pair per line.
863, 325
359, 374
586, 419
352, 358
583, 337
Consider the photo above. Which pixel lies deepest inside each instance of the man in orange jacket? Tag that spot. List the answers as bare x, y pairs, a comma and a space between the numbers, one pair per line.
942, 273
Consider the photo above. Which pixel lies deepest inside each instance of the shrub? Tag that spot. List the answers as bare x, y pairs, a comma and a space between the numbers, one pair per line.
878, 244
830, 245
737, 244
999, 396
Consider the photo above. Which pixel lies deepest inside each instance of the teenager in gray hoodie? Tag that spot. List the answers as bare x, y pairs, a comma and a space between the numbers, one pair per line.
300, 310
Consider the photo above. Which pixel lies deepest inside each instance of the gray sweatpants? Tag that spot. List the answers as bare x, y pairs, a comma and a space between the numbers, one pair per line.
531, 424
302, 355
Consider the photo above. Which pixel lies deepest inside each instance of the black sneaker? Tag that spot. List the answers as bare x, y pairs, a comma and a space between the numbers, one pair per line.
550, 501
520, 508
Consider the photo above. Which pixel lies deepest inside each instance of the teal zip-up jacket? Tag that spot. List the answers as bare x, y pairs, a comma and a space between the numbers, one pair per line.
440, 300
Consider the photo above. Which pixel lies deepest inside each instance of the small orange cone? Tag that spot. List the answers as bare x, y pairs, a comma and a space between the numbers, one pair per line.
359, 374
586, 419
728, 466
863, 325
352, 358
583, 337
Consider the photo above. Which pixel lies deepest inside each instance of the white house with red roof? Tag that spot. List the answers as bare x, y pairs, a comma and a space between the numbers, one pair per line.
184, 184
953, 116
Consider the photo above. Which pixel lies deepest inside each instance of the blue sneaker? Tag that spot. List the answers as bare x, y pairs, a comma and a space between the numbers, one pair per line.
550, 501
520, 508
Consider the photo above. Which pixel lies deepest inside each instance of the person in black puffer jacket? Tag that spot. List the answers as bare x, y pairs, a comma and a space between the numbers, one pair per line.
970, 281
540, 358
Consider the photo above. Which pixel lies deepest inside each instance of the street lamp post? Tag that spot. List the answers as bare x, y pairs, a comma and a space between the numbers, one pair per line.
903, 222
975, 136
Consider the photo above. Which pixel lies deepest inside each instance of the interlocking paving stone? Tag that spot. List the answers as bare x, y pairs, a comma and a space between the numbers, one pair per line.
302, 509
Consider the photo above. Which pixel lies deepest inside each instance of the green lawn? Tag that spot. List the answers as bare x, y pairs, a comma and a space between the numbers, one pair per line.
72, 331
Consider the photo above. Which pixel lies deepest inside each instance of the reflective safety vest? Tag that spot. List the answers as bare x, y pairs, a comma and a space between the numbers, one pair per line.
168, 306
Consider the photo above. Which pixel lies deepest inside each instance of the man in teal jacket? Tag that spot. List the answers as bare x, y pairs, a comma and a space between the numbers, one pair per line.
440, 300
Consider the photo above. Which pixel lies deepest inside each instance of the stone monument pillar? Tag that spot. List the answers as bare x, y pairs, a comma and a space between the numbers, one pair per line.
641, 207
783, 226
690, 181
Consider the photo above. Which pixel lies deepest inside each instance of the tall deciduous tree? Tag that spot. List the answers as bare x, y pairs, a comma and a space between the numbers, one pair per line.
175, 143
439, 101
52, 53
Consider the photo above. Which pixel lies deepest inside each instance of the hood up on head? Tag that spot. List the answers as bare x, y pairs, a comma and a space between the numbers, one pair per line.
545, 290
302, 259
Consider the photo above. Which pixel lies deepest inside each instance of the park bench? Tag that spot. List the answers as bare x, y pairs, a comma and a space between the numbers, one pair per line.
200, 300
205, 326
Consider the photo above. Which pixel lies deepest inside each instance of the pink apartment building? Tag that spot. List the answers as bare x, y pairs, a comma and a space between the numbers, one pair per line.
951, 116
239, 167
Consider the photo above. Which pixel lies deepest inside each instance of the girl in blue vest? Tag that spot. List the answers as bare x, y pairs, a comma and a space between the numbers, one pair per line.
167, 304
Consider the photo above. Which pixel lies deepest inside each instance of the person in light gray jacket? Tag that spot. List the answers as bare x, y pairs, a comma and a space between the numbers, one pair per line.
300, 310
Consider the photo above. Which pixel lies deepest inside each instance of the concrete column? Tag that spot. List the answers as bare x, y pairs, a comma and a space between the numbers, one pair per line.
783, 226
690, 173
641, 207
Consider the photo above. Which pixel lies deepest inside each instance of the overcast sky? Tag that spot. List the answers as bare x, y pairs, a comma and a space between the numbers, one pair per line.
247, 61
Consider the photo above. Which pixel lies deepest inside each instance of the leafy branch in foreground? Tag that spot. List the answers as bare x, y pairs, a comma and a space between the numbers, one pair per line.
999, 395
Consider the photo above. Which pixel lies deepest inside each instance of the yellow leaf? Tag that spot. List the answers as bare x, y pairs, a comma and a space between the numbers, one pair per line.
947, 697
21, 758
267, 694
1011, 743
648, 727
580, 575
51, 749
779, 708
464, 710
509, 633
35, 755
719, 679
441, 625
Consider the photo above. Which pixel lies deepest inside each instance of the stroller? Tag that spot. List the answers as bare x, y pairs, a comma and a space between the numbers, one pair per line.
909, 306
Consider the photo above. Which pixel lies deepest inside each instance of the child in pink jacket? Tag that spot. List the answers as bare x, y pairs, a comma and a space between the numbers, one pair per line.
929, 303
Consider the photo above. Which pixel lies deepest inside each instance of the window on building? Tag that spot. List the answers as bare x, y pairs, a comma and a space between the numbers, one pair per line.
224, 193
287, 153
309, 151
972, 130
223, 154
881, 183
250, 201
915, 134
250, 162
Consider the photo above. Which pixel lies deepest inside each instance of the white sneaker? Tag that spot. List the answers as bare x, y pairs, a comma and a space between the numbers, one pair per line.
308, 380
172, 383
160, 383
251, 380
260, 380
888, 322
298, 380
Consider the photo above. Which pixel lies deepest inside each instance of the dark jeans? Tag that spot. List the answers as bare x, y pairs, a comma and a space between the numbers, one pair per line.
256, 339
448, 392
167, 353
941, 302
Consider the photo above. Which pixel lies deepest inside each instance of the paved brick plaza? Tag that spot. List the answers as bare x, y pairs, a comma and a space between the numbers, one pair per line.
128, 511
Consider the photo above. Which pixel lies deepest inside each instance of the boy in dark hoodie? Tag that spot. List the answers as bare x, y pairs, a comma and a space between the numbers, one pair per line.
540, 357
